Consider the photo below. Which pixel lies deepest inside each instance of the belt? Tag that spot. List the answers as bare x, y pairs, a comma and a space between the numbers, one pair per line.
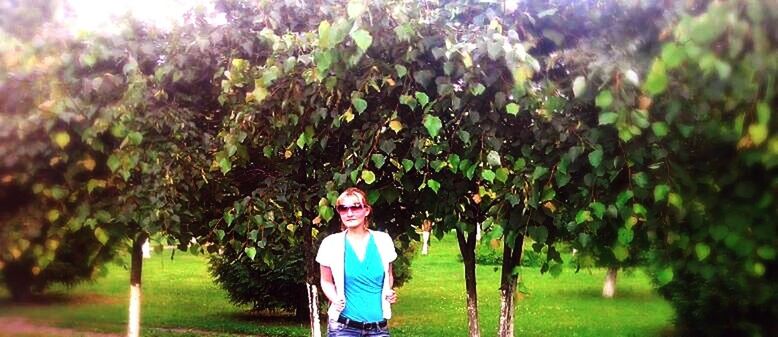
361, 325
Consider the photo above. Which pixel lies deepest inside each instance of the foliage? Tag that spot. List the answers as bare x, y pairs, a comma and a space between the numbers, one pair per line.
714, 93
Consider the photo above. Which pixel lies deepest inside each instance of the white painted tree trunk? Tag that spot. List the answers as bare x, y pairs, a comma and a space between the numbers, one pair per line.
609, 288
136, 270
425, 238
478, 233
147, 249
133, 325
507, 310
313, 309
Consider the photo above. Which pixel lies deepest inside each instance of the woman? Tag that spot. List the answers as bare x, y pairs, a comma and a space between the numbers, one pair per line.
356, 271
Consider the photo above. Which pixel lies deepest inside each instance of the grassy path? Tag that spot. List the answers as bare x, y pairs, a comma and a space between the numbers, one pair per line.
179, 296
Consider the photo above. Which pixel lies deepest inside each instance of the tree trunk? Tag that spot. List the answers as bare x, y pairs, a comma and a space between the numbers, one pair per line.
609, 288
18, 279
311, 279
467, 249
511, 258
133, 324
425, 237
313, 309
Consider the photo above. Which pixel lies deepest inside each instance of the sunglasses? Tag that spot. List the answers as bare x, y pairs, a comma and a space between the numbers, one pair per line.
353, 208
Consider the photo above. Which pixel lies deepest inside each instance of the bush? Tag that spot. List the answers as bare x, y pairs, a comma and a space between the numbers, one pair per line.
78, 258
263, 287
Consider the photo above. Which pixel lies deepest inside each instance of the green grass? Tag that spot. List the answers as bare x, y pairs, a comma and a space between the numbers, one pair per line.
179, 294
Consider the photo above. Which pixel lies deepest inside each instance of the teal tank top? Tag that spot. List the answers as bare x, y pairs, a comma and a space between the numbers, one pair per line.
364, 282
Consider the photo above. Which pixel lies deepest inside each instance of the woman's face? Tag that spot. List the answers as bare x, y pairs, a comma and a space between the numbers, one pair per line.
353, 212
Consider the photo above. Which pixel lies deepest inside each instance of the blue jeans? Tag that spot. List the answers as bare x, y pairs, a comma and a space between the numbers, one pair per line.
335, 329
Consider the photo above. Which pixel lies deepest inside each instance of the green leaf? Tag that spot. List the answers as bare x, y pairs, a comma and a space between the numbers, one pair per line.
623, 197
362, 38
368, 176
672, 55
502, 174
433, 185
488, 175
493, 158
407, 164
583, 216
656, 82
225, 165
538, 233
52, 215
660, 129
763, 113
595, 158
301, 141
101, 235
598, 208
519, 164
433, 125
675, 200
702, 250
422, 98
113, 162
604, 99
607, 118
326, 212
640, 179
401, 70
58, 193
359, 104
477, 89
220, 234
408, 100
625, 236
512, 109
766, 252
355, 8
758, 133
664, 276
660, 192
260, 92
378, 159
62, 139
251, 252
548, 194
620, 252
324, 34
539, 172
579, 86
135, 137
453, 162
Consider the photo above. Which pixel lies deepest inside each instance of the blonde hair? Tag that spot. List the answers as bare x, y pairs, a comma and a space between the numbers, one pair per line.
355, 192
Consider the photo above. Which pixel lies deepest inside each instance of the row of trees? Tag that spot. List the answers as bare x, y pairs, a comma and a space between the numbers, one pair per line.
634, 132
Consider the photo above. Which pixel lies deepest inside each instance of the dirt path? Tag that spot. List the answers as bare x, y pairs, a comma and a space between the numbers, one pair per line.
14, 326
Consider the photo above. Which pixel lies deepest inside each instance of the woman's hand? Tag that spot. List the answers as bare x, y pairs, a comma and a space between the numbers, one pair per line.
339, 305
391, 296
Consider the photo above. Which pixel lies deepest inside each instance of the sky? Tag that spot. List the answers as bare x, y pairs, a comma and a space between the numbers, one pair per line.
98, 15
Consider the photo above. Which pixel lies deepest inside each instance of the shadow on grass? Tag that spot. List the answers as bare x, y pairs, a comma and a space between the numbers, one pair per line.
58, 298
278, 318
595, 293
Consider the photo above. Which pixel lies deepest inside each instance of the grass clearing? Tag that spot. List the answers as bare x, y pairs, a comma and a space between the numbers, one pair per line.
179, 294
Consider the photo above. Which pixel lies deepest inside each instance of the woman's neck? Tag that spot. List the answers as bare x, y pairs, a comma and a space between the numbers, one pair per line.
357, 232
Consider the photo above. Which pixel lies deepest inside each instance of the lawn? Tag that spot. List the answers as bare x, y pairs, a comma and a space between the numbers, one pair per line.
179, 295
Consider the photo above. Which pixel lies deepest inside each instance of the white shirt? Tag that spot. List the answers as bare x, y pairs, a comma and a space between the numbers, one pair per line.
332, 254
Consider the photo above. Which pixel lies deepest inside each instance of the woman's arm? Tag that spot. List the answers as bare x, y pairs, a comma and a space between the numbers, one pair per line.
392, 296
328, 287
